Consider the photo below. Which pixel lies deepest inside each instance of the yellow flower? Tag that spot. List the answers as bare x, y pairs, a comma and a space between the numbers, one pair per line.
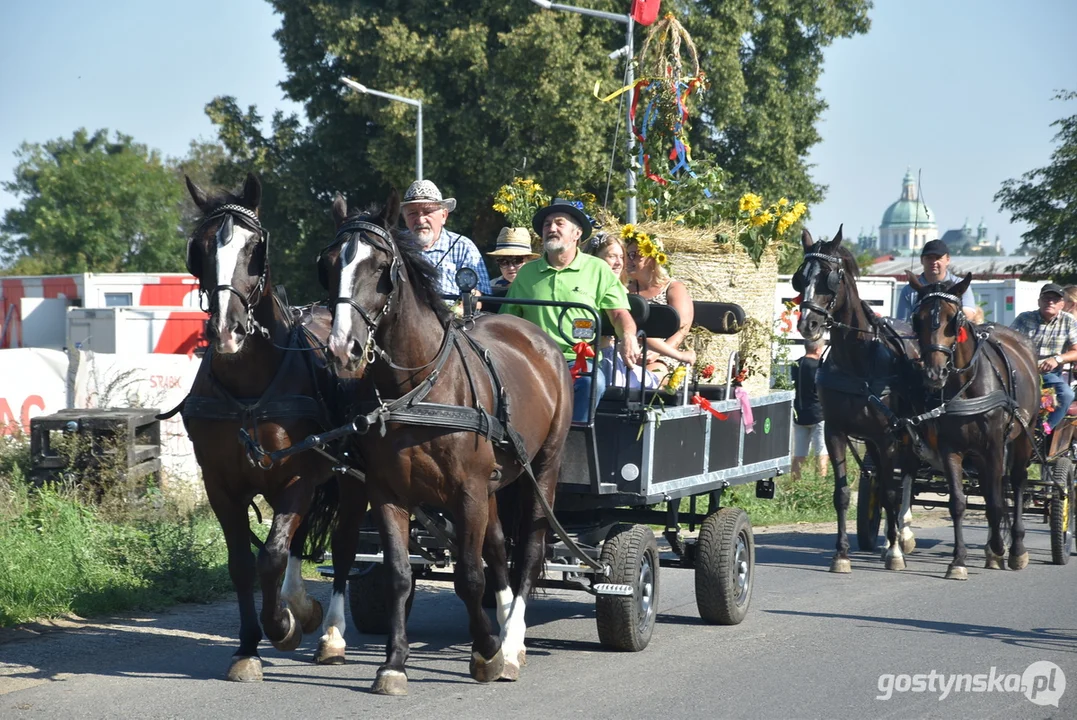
661, 258
510, 197
800, 208
646, 248
761, 219
566, 194
676, 378
588, 198
750, 202
783, 202
642, 237
500, 208
784, 223
628, 231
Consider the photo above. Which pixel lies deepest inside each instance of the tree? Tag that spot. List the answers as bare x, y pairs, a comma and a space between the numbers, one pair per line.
92, 205
1046, 199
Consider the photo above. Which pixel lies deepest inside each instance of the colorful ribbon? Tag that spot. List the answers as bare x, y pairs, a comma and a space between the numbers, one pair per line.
705, 404
583, 352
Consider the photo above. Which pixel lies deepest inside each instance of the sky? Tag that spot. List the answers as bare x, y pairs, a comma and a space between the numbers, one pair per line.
958, 91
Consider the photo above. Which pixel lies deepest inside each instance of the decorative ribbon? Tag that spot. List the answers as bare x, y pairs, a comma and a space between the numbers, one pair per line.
962, 334
745, 409
583, 352
705, 404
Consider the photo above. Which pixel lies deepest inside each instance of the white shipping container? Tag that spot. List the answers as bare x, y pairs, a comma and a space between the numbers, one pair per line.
135, 330
1004, 300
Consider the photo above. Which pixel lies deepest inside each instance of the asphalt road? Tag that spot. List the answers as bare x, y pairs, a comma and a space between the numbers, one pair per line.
813, 645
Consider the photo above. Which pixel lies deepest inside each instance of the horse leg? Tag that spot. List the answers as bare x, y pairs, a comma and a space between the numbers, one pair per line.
952, 466
835, 446
278, 620
1022, 454
232, 516
908, 539
884, 461
345, 541
471, 515
392, 679
990, 473
493, 551
305, 608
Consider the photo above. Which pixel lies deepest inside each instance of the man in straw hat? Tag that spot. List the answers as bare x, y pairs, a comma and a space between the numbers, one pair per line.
512, 251
564, 274
425, 213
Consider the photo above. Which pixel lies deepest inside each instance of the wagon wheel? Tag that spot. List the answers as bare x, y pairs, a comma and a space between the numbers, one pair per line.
368, 598
725, 566
1062, 511
627, 622
869, 511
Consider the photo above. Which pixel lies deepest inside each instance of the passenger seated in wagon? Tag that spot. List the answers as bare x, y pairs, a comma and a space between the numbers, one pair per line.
564, 274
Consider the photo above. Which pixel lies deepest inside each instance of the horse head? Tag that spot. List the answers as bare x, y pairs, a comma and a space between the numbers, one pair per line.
819, 280
229, 254
362, 271
940, 327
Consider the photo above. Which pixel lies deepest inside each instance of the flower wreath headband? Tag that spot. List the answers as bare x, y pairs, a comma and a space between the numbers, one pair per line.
648, 246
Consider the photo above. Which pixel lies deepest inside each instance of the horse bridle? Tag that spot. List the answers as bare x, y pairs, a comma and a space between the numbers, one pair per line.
959, 321
249, 219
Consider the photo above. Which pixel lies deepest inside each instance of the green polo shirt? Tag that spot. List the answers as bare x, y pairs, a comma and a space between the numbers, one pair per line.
585, 280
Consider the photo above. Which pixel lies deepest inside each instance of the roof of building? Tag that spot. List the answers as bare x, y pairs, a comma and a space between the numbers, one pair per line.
910, 210
890, 266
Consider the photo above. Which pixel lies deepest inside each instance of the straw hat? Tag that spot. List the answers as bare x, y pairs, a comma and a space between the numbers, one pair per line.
515, 242
424, 191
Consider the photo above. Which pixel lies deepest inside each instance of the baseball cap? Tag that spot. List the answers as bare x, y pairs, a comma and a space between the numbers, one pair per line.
1052, 288
935, 247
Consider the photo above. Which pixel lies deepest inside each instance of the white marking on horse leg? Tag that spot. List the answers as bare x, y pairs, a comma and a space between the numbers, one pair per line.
504, 607
294, 590
512, 634
334, 625
342, 319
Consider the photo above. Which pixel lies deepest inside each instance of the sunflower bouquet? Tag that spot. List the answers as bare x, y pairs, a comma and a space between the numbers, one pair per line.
519, 200
647, 245
758, 226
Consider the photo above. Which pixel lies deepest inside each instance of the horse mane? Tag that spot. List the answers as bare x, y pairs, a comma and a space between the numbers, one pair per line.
423, 276
848, 261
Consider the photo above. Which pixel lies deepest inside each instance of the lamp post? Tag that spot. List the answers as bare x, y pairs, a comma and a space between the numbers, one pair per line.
630, 78
359, 87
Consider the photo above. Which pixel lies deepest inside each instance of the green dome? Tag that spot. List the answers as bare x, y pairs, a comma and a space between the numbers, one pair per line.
909, 211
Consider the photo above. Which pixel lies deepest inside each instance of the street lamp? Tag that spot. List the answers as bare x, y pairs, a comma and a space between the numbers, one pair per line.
359, 87
630, 78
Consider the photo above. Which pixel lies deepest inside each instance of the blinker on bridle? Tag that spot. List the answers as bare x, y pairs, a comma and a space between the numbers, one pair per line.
936, 323
249, 219
834, 280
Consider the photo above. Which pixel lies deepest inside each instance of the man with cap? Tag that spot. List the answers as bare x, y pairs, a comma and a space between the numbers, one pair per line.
512, 251
935, 257
425, 213
564, 274
1054, 336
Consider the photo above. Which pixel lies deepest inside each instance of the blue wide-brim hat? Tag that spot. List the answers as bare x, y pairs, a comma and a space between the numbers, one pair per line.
560, 205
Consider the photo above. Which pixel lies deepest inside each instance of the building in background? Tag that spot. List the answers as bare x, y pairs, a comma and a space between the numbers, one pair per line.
963, 241
908, 223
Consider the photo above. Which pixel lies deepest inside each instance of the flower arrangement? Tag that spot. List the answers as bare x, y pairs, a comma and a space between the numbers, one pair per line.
647, 245
758, 226
519, 200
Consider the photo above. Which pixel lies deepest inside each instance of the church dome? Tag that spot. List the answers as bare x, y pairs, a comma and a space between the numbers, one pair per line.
909, 211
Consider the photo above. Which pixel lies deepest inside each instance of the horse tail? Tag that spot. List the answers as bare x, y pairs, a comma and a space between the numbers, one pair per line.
321, 518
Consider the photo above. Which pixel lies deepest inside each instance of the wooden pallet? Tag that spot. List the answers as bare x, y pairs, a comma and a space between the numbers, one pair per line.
133, 433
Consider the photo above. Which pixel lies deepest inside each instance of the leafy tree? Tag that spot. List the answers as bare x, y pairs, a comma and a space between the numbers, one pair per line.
1046, 198
90, 204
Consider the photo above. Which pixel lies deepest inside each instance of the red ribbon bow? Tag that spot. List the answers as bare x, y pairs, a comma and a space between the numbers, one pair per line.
583, 352
962, 334
704, 403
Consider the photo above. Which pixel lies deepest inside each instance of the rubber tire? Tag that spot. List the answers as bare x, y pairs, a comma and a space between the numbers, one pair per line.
723, 594
1061, 507
869, 512
627, 623
366, 597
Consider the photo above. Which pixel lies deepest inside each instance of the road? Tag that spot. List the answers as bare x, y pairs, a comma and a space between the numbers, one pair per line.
813, 645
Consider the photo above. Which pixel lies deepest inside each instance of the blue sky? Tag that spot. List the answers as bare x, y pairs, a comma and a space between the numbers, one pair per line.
959, 90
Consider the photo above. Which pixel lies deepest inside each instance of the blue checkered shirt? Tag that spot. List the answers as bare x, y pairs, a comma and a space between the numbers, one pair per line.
452, 251
1049, 338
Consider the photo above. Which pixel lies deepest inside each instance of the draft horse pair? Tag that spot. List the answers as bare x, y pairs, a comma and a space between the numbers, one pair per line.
444, 414
942, 391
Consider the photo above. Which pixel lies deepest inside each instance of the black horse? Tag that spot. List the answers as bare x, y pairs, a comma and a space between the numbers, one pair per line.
985, 386
261, 382
862, 384
460, 411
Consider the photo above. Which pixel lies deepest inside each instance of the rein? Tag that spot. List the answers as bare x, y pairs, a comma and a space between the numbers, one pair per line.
827, 312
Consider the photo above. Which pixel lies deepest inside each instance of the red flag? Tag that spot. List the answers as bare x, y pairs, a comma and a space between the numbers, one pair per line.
645, 12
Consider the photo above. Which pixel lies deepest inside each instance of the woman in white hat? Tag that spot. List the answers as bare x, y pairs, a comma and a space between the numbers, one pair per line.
512, 251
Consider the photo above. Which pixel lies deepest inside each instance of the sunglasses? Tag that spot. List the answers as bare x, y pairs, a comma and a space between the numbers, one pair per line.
506, 261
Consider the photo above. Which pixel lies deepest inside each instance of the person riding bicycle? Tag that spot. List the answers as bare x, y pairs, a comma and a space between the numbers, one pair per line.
1054, 336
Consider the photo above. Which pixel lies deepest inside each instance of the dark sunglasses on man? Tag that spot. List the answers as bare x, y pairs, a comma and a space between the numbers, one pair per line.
508, 261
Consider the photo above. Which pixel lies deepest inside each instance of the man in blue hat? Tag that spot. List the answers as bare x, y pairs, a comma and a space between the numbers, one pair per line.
935, 258
564, 274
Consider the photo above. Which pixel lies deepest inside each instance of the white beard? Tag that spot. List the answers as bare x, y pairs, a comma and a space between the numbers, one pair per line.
554, 245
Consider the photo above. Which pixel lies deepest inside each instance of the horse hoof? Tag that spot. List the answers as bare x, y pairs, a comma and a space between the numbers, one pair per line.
957, 572
390, 682
313, 621
510, 672
841, 565
908, 544
994, 562
246, 669
487, 670
1018, 562
329, 653
895, 562
292, 638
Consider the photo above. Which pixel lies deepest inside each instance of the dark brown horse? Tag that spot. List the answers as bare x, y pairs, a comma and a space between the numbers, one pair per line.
869, 357
261, 388
462, 409
984, 386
